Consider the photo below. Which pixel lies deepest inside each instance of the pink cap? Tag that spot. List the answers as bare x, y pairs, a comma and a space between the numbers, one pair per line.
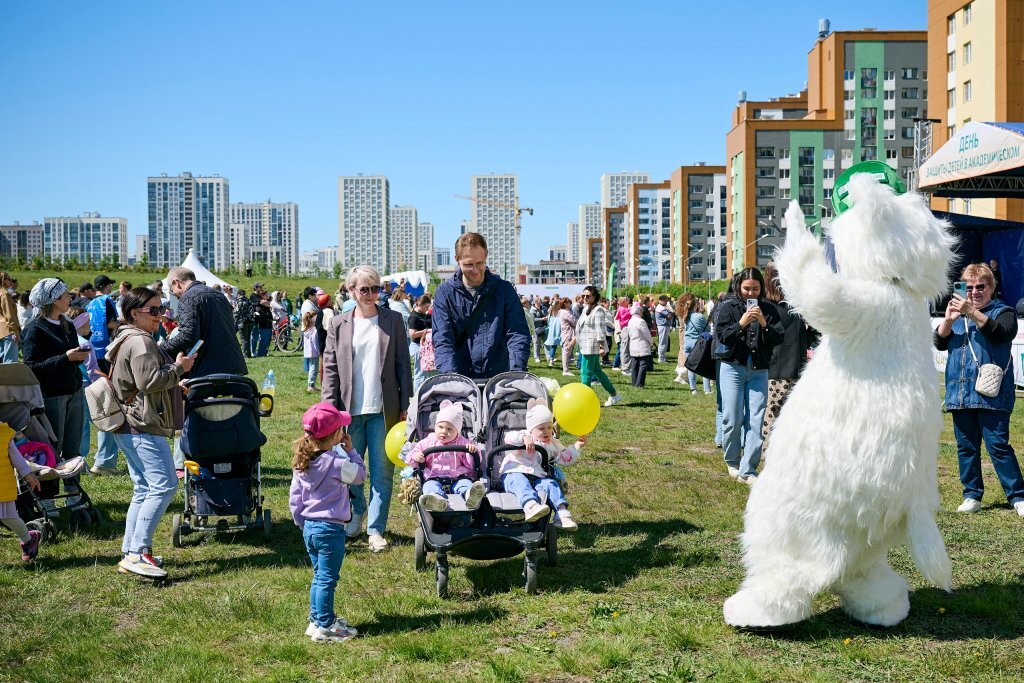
323, 419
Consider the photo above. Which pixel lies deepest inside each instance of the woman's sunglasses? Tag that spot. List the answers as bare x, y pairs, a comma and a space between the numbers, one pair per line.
975, 288
154, 310
375, 289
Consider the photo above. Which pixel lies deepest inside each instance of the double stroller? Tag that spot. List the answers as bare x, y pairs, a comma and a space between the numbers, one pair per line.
221, 439
497, 528
21, 408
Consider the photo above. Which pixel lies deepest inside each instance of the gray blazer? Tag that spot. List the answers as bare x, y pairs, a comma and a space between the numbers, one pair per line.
395, 371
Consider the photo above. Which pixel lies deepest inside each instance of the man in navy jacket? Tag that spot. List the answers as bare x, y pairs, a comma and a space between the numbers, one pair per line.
498, 339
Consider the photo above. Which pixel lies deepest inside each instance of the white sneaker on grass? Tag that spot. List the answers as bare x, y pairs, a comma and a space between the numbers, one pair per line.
533, 511
971, 506
733, 472
433, 503
612, 400
564, 520
338, 624
336, 633
134, 564
475, 495
1019, 507
377, 543
748, 480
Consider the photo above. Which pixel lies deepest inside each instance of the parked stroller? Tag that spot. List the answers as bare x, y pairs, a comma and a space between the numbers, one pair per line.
221, 439
496, 529
21, 407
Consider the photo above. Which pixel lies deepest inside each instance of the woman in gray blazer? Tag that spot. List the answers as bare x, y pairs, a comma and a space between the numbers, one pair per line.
367, 373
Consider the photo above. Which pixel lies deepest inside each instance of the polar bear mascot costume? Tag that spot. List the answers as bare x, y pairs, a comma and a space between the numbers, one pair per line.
852, 470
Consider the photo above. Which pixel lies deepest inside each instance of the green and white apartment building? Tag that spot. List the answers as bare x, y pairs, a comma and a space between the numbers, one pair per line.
864, 91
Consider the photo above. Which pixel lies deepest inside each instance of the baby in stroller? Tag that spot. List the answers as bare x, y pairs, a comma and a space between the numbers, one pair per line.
522, 472
456, 470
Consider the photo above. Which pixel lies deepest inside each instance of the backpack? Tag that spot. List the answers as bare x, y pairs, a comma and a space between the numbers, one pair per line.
97, 309
105, 411
427, 361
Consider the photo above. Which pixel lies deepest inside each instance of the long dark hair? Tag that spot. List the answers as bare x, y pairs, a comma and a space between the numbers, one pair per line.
132, 301
595, 298
747, 274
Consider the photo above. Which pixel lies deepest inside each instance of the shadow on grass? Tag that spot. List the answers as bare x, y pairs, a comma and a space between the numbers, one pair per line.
581, 568
644, 404
384, 622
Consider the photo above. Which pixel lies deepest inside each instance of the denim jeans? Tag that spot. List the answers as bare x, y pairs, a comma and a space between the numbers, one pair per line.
718, 403
368, 432
551, 352
325, 543
519, 485
106, 449
8, 350
538, 344
970, 427
744, 394
460, 487
152, 473
418, 374
260, 341
687, 347
312, 367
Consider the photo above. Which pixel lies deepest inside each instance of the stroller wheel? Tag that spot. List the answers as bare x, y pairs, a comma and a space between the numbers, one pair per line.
442, 577
420, 550
266, 524
530, 573
552, 544
96, 516
40, 526
176, 531
80, 519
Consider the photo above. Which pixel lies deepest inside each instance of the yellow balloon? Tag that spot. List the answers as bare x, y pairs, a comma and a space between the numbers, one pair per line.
577, 408
393, 443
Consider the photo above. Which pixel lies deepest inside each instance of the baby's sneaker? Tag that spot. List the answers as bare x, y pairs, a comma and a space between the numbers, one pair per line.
564, 520
475, 495
30, 548
534, 510
433, 502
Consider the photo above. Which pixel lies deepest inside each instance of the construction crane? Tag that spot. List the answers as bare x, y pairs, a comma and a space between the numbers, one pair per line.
501, 205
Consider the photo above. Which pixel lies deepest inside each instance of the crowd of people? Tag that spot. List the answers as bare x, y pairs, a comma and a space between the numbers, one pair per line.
369, 346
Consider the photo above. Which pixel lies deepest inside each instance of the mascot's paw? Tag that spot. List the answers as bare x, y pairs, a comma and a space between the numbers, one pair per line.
880, 598
873, 614
746, 610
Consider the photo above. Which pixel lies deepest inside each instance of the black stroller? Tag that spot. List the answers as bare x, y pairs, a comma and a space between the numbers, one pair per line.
21, 407
221, 438
496, 529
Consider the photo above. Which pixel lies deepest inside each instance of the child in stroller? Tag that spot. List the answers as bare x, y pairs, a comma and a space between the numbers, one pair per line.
522, 473
9, 493
456, 471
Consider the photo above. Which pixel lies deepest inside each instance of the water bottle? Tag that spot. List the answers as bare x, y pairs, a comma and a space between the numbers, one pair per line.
267, 394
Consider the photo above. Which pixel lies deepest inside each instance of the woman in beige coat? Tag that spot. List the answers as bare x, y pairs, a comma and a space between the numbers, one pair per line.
145, 387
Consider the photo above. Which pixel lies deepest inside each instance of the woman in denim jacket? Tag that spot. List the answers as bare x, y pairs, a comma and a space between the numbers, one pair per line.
987, 326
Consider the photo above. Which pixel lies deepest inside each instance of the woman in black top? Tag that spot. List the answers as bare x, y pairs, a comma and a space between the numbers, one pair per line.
747, 328
420, 322
50, 348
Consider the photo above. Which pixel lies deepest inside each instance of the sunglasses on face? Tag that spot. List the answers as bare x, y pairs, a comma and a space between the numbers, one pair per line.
975, 288
154, 310
374, 289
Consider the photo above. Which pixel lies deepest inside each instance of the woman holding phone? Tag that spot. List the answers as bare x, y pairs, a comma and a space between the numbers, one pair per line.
747, 328
978, 329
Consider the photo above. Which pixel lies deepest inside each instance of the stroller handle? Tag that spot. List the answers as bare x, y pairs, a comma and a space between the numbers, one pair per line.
544, 462
449, 449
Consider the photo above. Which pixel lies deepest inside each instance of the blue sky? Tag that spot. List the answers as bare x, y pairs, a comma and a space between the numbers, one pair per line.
282, 98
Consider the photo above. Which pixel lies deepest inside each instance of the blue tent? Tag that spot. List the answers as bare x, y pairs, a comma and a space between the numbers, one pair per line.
984, 239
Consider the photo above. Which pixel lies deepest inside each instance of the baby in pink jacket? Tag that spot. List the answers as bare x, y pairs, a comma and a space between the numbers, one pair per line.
452, 469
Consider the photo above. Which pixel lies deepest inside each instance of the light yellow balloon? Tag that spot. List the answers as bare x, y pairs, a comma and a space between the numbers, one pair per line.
393, 443
577, 408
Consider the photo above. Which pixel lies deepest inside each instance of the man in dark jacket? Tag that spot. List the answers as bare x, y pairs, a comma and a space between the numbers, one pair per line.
203, 314
479, 326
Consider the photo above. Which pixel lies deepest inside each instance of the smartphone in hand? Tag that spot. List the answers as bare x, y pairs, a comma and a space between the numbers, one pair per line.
752, 303
195, 348
960, 289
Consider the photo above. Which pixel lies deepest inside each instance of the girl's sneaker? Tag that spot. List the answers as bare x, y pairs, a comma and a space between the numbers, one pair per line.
156, 559
338, 632
433, 502
142, 564
30, 548
475, 495
564, 520
311, 628
534, 511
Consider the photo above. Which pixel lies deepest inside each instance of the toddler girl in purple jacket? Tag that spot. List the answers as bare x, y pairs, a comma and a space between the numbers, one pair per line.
319, 501
458, 468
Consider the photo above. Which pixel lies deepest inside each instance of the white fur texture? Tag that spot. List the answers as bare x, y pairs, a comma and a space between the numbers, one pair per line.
852, 470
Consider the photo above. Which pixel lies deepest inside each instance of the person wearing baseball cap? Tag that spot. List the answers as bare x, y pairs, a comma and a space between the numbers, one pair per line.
319, 503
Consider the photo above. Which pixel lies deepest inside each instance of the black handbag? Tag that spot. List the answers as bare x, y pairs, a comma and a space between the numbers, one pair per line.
700, 359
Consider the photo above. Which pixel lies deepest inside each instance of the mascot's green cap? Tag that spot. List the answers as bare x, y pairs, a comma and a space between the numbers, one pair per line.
882, 172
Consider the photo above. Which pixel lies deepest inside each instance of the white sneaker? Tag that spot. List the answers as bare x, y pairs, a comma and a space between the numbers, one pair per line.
354, 527
311, 627
567, 374
693, 392
733, 472
748, 480
336, 633
1019, 507
564, 520
612, 400
377, 543
136, 565
970, 506
475, 495
433, 503
533, 511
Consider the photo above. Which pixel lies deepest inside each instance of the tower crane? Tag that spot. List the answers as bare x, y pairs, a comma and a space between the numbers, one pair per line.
501, 205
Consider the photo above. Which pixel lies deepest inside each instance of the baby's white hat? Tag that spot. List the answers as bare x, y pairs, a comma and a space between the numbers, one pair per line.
537, 413
450, 413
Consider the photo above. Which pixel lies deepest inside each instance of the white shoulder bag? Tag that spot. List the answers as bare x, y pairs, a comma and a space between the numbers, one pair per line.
990, 375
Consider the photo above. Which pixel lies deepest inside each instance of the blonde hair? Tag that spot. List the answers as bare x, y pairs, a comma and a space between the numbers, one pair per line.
980, 271
308, 319
467, 241
363, 272
305, 447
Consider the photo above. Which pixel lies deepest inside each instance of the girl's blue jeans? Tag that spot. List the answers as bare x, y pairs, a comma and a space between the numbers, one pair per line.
325, 543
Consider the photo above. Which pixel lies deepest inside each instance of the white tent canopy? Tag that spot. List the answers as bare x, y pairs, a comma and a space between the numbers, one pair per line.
203, 275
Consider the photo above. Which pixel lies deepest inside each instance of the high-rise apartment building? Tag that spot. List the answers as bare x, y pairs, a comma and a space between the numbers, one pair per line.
865, 90
269, 233
699, 224
403, 242
363, 203
595, 267
976, 73
495, 198
590, 224
572, 242
615, 187
141, 246
443, 256
648, 234
617, 245
24, 241
85, 237
321, 259
425, 238
188, 212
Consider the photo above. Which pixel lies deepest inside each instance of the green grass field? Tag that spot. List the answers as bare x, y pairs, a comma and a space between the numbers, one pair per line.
637, 594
